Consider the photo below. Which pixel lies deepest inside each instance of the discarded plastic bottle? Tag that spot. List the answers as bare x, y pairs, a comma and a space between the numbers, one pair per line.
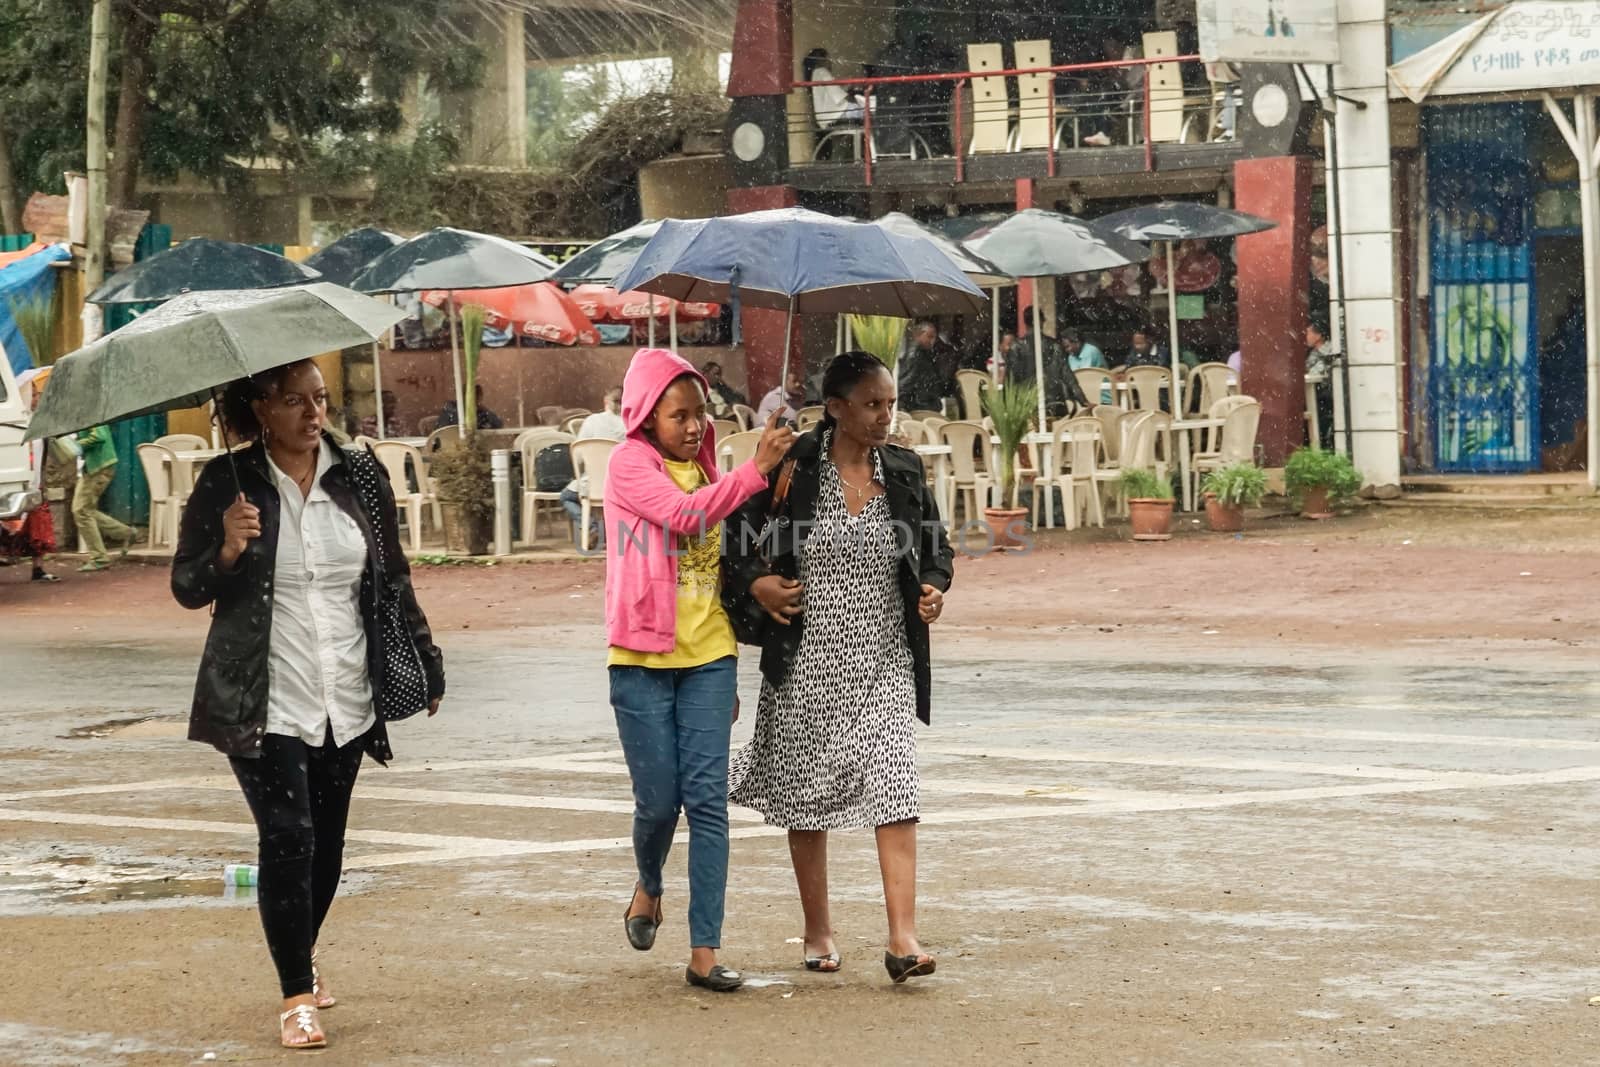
239, 874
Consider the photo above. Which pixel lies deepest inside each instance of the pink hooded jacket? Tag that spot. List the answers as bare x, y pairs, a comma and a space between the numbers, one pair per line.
645, 511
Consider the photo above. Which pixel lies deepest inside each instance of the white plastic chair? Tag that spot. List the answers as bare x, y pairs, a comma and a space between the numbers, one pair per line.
166, 501
933, 423
1098, 386
1077, 449
183, 442
443, 437
394, 455
972, 483
530, 445
1136, 452
915, 432
971, 384
1033, 129
737, 449
1210, 382
571, 423
1147, 383
726, 428
590, 460
991, 111
746, 416
808, 417
1241, 420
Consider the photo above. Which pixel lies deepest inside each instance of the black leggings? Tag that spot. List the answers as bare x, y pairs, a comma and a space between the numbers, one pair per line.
300, 798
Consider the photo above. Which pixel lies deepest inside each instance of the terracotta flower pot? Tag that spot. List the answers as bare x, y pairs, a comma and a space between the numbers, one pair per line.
465, 533
1151, 518
1315, 504
1004, 525
1223, 518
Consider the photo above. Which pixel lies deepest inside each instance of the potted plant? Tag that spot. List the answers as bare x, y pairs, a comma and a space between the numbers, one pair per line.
462, 474
1149, 505
1228, 491
882, 335
1011, 409
1319, 481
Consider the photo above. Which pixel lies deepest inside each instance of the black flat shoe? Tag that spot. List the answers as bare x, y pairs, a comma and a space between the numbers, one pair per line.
827, 963
902, 967
720, 980
641, 929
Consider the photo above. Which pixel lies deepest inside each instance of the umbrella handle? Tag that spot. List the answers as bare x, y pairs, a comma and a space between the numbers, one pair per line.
227, 449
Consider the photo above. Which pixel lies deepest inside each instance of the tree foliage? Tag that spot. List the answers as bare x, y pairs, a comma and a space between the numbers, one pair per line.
223, 83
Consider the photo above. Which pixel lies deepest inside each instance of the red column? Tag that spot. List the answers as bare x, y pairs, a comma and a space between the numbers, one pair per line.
763, 329
1274, 273
1024, 285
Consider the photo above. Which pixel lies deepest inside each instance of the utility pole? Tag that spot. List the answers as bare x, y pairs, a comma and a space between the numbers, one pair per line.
99, 73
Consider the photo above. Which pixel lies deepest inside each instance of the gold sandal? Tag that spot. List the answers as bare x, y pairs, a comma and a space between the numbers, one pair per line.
305, 1022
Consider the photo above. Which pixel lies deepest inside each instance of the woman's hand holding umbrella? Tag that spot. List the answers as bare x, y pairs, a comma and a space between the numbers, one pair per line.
241, 524
776, 440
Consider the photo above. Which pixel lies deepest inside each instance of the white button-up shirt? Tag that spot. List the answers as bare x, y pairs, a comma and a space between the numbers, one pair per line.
318, 666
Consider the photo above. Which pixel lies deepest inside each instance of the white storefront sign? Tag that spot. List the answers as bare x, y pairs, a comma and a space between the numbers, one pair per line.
1532, 44
1269, 31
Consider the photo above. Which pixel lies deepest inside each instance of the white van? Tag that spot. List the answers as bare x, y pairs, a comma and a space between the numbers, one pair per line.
18, 496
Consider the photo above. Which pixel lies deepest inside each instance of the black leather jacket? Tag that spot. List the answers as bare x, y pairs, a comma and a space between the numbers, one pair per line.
230, 694
925, 554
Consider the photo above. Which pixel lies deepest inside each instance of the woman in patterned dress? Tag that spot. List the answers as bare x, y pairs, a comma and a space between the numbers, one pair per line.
858, 569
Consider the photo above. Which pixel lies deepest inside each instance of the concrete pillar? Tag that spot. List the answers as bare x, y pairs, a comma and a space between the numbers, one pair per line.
1274, 268
491, 121
1365, 241
763, 329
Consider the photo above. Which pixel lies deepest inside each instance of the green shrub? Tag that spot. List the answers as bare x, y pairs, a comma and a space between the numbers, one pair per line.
1312, 468
1144, 485
1237, 485
1012, 410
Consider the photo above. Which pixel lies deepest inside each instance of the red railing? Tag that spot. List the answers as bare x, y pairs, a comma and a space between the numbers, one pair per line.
962, 78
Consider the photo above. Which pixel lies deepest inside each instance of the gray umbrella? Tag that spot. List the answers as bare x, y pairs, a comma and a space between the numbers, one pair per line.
1043, 244
450, 259
200, 264
602, 262
1180, 220
176, 355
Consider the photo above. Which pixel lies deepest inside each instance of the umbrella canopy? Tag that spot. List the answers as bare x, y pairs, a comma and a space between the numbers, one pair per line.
604, 304
347, 257
1182, 221
801, 261
607, 258
1042, 244
541, 310
174, 356
200, 265
980, 270
450, 259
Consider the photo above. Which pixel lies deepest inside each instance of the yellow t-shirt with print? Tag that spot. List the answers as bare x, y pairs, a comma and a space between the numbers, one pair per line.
703, 631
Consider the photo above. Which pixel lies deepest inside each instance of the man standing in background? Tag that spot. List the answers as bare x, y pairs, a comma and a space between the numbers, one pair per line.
94, 525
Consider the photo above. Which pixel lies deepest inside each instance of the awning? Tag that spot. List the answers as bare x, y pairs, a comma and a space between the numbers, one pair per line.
1526, 45
25, 276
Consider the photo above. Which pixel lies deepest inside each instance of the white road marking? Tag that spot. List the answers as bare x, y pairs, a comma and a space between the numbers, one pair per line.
1192, 759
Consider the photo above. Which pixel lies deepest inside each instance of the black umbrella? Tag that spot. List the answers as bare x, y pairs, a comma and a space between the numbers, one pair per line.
347, 257
451, 259
1042, 244
603, 261
201, 265
1180, 220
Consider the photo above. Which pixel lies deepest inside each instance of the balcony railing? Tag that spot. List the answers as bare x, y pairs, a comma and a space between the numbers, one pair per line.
1070, 107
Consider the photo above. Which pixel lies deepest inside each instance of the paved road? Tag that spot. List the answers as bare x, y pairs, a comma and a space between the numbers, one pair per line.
1125, 860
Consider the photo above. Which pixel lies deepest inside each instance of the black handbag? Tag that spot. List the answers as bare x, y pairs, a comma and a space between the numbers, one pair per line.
401, 685
749, 619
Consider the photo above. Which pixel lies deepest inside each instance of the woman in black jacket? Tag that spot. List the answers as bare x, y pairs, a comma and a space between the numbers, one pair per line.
288, 560
859, 565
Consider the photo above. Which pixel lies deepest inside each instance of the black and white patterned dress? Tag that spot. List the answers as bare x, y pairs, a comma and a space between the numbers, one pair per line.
835, 746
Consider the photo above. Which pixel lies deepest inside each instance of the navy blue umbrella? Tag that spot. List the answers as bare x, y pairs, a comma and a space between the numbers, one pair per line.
347, 257
801, 261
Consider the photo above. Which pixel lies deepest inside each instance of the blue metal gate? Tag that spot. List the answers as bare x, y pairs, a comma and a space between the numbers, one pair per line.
1483, 381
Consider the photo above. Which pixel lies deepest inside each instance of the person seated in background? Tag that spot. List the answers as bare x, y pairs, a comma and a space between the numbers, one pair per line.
832, 106
1081, 354
392, 427
1062, 395
606, 425
1145, 351
721, 395
927, 372
487, 420
788, 399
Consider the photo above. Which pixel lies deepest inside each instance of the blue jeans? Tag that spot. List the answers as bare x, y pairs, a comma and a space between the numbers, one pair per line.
675, 727
573, 503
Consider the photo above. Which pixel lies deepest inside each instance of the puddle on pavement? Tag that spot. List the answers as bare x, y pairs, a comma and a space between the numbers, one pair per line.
49, 880
141, 727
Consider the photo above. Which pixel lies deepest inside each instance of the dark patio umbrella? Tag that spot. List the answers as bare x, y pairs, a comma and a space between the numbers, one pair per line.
800, 261
347, 257
602, 262
1043, 244
1180, 220
452, 260
200, 265
981, 272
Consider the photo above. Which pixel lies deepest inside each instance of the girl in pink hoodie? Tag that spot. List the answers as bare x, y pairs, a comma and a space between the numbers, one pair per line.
673, 656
